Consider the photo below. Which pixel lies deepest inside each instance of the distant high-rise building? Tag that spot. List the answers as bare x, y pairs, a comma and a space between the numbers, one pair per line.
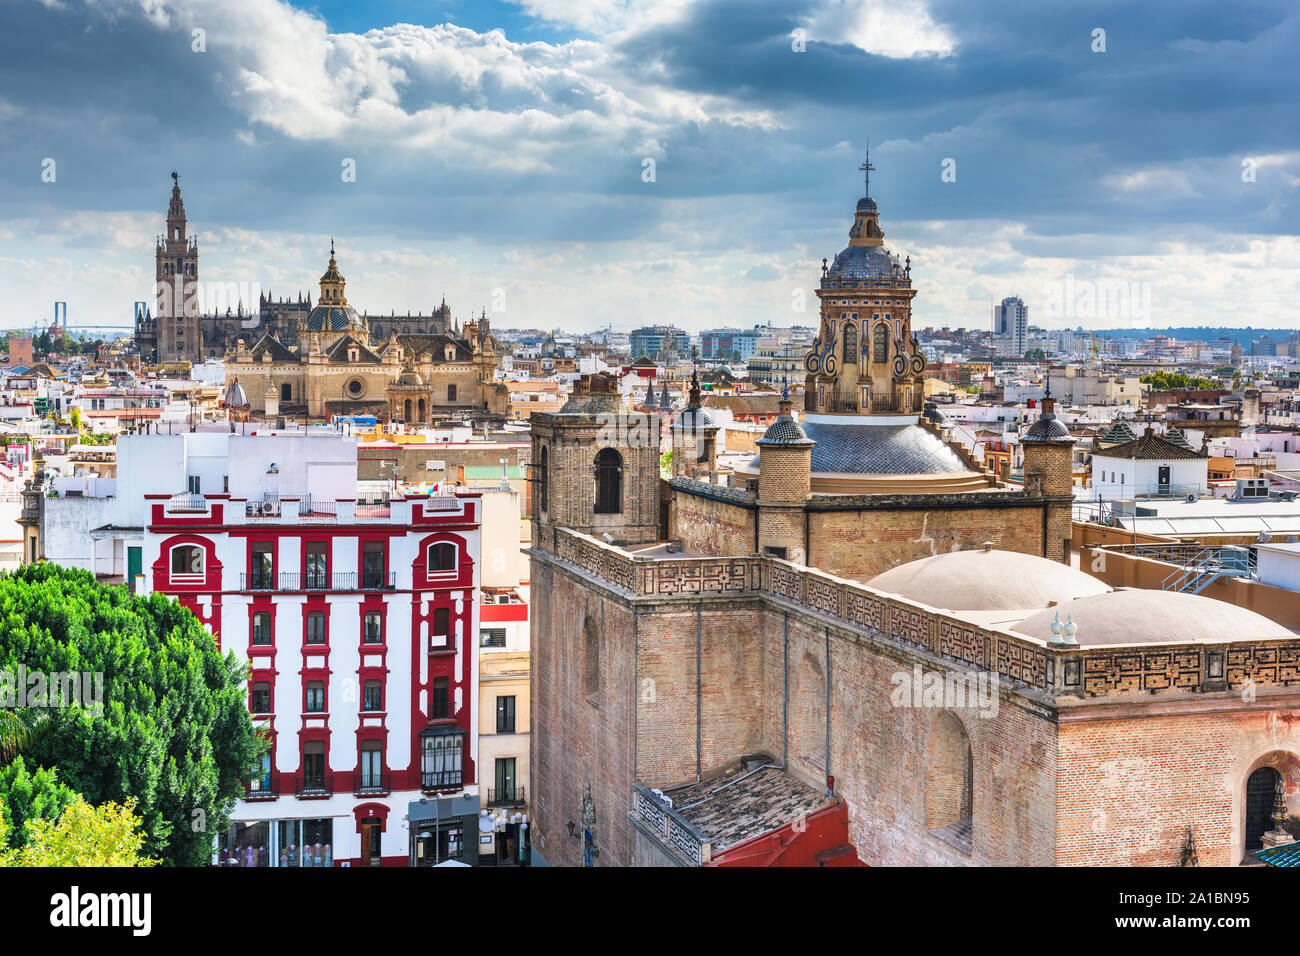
1011, 326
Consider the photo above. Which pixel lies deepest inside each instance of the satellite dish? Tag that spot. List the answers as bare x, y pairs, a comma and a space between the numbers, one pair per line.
486, 824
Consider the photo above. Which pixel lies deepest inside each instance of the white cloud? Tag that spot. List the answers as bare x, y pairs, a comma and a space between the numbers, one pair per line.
893, 28
473, 100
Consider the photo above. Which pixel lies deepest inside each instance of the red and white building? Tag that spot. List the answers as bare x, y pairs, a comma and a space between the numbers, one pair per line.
359, 621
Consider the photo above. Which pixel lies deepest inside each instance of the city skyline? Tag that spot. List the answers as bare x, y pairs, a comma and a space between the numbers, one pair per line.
500, 157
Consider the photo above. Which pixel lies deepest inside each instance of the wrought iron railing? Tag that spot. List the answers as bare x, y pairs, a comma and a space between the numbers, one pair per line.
371, 782
842, 402
505, 796
319, 581
441, 779
263, 789
310, 784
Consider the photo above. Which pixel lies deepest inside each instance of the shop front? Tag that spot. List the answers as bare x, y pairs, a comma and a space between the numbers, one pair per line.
286, 843
445, 829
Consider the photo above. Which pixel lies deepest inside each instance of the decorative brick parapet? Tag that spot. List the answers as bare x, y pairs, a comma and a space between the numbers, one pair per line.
1064, 671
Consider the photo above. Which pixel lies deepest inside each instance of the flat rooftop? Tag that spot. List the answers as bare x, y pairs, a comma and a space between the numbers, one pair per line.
733, 806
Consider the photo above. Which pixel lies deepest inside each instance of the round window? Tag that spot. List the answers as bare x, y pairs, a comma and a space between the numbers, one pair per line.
355, 386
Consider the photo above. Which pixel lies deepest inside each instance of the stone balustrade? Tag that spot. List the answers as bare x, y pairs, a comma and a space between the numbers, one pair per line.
1052, 670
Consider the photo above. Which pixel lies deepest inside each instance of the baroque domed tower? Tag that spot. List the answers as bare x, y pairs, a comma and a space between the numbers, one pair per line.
865, 360
865, 389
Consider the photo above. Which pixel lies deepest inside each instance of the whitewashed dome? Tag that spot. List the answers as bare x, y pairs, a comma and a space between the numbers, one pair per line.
1139, 616
987, 580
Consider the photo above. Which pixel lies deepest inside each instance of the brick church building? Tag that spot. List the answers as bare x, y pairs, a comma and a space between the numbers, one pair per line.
864, 648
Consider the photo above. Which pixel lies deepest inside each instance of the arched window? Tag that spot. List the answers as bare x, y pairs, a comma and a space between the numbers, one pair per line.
1260, 796
544, 482
406, 411
590, 658
850, 345
609, 482
187, 561
442, 557
880, 344
420, 408
451, 393
949, 782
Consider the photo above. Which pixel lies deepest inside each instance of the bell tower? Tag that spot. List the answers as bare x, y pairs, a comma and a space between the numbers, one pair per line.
176, 277
865, 360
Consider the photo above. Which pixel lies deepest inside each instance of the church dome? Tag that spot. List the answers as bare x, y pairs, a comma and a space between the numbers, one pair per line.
874, 455
987, 580
866, 204
784, 431
1136, 616
864, 262
235, 397
884, 449
1047, 427
332, 318
410, 377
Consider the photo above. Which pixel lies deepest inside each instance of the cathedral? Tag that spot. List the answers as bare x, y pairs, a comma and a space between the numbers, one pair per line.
335, 366
863, 647
177, 329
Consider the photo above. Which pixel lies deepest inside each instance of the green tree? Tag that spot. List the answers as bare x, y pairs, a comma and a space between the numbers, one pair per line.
30, 795
1167, 381
82, 836
174, 732
18, 728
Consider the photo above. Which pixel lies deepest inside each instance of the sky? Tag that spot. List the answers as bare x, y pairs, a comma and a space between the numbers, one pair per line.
579, 165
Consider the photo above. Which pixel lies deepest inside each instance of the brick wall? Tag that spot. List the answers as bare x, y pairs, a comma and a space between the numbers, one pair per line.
1131, 787
712, 527
862, 544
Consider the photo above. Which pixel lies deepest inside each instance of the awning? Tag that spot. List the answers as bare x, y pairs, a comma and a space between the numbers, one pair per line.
442, 808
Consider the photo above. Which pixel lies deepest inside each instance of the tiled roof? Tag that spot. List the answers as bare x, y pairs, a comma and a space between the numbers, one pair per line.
1288, 854
695, 419
1118, 434
880, 450
326, 318
338, 352
761, 404
418, 343
279, 351
732, 807
1047, 427
1151, 447
784, 431
864, 262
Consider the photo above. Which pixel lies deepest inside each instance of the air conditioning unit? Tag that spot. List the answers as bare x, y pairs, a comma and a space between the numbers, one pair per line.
270, 507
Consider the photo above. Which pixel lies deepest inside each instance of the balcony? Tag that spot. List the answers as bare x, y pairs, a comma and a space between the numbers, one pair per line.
441, 780
506, 797
264, 789
842, 402
186, 504
320, 581
373, 783
313, 785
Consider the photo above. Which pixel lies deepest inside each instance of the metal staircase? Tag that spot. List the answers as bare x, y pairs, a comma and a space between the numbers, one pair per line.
1207, 565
